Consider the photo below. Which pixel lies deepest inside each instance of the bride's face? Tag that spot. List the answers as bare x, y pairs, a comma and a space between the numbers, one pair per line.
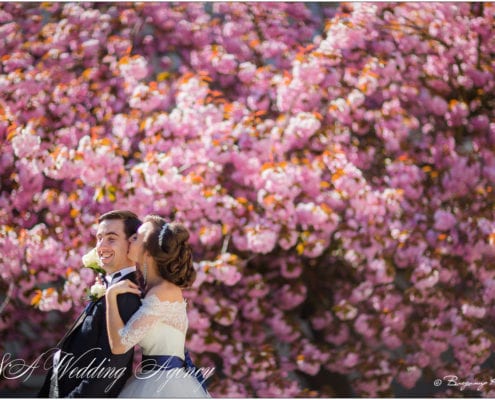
136, 250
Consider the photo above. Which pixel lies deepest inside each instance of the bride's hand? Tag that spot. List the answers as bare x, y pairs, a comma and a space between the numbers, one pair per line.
125, 286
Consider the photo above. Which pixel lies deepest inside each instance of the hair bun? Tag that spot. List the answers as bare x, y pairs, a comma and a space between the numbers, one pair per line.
168, 245
180, 270
180, 233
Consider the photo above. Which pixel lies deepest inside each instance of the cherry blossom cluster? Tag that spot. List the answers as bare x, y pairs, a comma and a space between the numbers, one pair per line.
334, 164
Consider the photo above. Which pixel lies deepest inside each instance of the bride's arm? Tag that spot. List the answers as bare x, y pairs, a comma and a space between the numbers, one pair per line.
115, 324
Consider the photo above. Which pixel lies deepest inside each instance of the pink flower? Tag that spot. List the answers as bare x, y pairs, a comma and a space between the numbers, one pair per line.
310, 368
50, 301
90, 47
406, 177
251, 310
390, 339
301, 128
435, 347
438, 105
409, 377
425, 276
211, 234
380, 273
224, 272
227, 314
135, 67
283, 329
290, 297
320, 322
17, 60
472, 311
196, 342
350, 360
288, 240
428, 282
26, 143
310, 214
338, 337
260, 239
345, 311
256, 286
271, 390
363, 326
457, 114
124, 126
247, 71
197, 321
362, 292
290, 269
234, 390
444, 220
145, 98
277, 180
225, 64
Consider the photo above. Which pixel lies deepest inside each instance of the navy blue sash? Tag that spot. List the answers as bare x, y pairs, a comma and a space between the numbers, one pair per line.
150, 363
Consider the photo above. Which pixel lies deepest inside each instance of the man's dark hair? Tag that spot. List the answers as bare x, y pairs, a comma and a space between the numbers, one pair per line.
131, 220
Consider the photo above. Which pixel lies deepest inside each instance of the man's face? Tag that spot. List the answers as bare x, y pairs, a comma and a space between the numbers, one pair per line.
112, 245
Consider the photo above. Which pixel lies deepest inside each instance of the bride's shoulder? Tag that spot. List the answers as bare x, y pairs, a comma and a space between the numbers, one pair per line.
165, 293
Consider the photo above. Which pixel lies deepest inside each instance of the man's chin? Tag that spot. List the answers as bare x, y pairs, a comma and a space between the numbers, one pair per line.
109, 268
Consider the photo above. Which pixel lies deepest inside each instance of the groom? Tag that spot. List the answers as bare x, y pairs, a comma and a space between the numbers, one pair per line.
85, 365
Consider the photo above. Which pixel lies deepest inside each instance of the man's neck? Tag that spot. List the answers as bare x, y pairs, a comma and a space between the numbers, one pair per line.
124, 270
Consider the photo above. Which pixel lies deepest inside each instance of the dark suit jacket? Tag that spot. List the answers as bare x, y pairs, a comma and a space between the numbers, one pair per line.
87, 367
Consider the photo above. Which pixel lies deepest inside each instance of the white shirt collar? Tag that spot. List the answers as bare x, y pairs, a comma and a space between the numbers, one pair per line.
123, 272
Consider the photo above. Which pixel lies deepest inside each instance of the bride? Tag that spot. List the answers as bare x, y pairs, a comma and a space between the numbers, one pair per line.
162, 253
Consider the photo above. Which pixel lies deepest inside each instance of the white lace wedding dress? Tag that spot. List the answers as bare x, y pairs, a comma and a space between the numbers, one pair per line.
159, 328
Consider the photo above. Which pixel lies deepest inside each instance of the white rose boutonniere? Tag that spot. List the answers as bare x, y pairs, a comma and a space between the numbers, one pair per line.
97, 291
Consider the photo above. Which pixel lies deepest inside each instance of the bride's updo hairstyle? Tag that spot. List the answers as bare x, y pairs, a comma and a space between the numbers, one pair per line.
168, 244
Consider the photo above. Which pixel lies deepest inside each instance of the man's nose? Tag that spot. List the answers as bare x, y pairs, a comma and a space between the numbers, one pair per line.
102, 244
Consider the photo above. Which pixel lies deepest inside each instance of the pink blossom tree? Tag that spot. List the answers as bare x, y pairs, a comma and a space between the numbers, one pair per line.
335, 167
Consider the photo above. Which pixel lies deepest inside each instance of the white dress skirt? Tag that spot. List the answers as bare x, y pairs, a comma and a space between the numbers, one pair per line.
159, 328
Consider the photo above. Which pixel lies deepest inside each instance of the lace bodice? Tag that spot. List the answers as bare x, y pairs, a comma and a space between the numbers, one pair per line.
159, 327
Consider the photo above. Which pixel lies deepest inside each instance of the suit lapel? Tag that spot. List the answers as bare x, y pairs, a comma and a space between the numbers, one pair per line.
87, 310
76, 323
131, 276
